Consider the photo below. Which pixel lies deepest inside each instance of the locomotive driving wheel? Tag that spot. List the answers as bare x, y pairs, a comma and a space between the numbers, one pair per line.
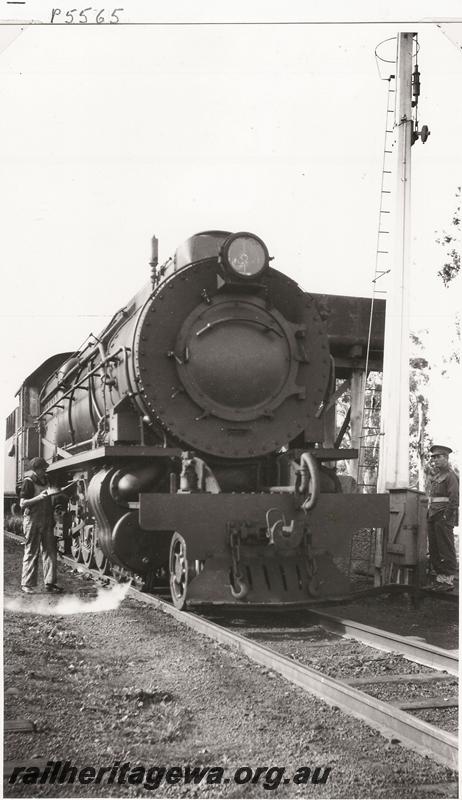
178, 565
77, 508
87, 545
101, 560
75, 548
76, 545
102, 564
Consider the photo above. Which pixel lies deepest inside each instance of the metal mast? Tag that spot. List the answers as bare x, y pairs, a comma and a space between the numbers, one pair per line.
394, 450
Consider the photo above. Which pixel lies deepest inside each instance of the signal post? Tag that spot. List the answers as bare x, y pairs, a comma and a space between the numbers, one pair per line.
401, 549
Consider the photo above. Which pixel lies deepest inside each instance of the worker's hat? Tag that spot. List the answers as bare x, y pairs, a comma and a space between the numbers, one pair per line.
440, 450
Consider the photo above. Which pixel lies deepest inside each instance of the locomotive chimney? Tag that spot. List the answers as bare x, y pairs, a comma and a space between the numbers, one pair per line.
154, 260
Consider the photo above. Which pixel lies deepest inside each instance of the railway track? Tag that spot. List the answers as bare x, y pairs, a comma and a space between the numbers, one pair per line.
259, 637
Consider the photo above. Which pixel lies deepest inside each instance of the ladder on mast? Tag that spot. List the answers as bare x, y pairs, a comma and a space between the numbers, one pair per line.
362, 548
369, 439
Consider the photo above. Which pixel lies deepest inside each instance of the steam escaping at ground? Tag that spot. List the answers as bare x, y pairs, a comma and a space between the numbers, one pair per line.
106, 600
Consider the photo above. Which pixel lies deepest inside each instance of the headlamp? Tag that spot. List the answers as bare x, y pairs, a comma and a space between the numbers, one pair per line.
244, 255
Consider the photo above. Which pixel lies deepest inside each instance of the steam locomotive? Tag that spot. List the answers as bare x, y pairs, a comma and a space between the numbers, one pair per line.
189, 440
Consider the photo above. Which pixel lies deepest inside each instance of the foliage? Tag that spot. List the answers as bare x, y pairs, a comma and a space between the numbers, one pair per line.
368, 462
454, 347
419, 440
451, 242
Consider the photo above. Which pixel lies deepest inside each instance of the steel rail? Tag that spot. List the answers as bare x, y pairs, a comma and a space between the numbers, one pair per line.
413, 649
414, 733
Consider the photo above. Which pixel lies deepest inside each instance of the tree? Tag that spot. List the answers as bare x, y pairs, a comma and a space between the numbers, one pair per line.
451, 241
454, 347
419, 441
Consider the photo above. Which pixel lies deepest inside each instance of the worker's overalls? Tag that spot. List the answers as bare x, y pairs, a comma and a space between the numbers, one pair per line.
38, 526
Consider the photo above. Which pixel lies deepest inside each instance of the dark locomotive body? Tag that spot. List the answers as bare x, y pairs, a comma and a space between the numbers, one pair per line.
187, 438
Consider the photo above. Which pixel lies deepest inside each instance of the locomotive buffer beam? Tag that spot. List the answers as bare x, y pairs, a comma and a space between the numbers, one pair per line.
278, 568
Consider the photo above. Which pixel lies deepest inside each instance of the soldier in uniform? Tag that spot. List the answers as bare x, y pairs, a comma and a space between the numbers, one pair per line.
442, 516
38, 525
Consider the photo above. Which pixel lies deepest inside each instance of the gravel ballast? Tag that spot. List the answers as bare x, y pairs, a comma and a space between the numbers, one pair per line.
131, 685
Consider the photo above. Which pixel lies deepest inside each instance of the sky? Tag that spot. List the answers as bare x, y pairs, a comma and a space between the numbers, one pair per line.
112, 133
